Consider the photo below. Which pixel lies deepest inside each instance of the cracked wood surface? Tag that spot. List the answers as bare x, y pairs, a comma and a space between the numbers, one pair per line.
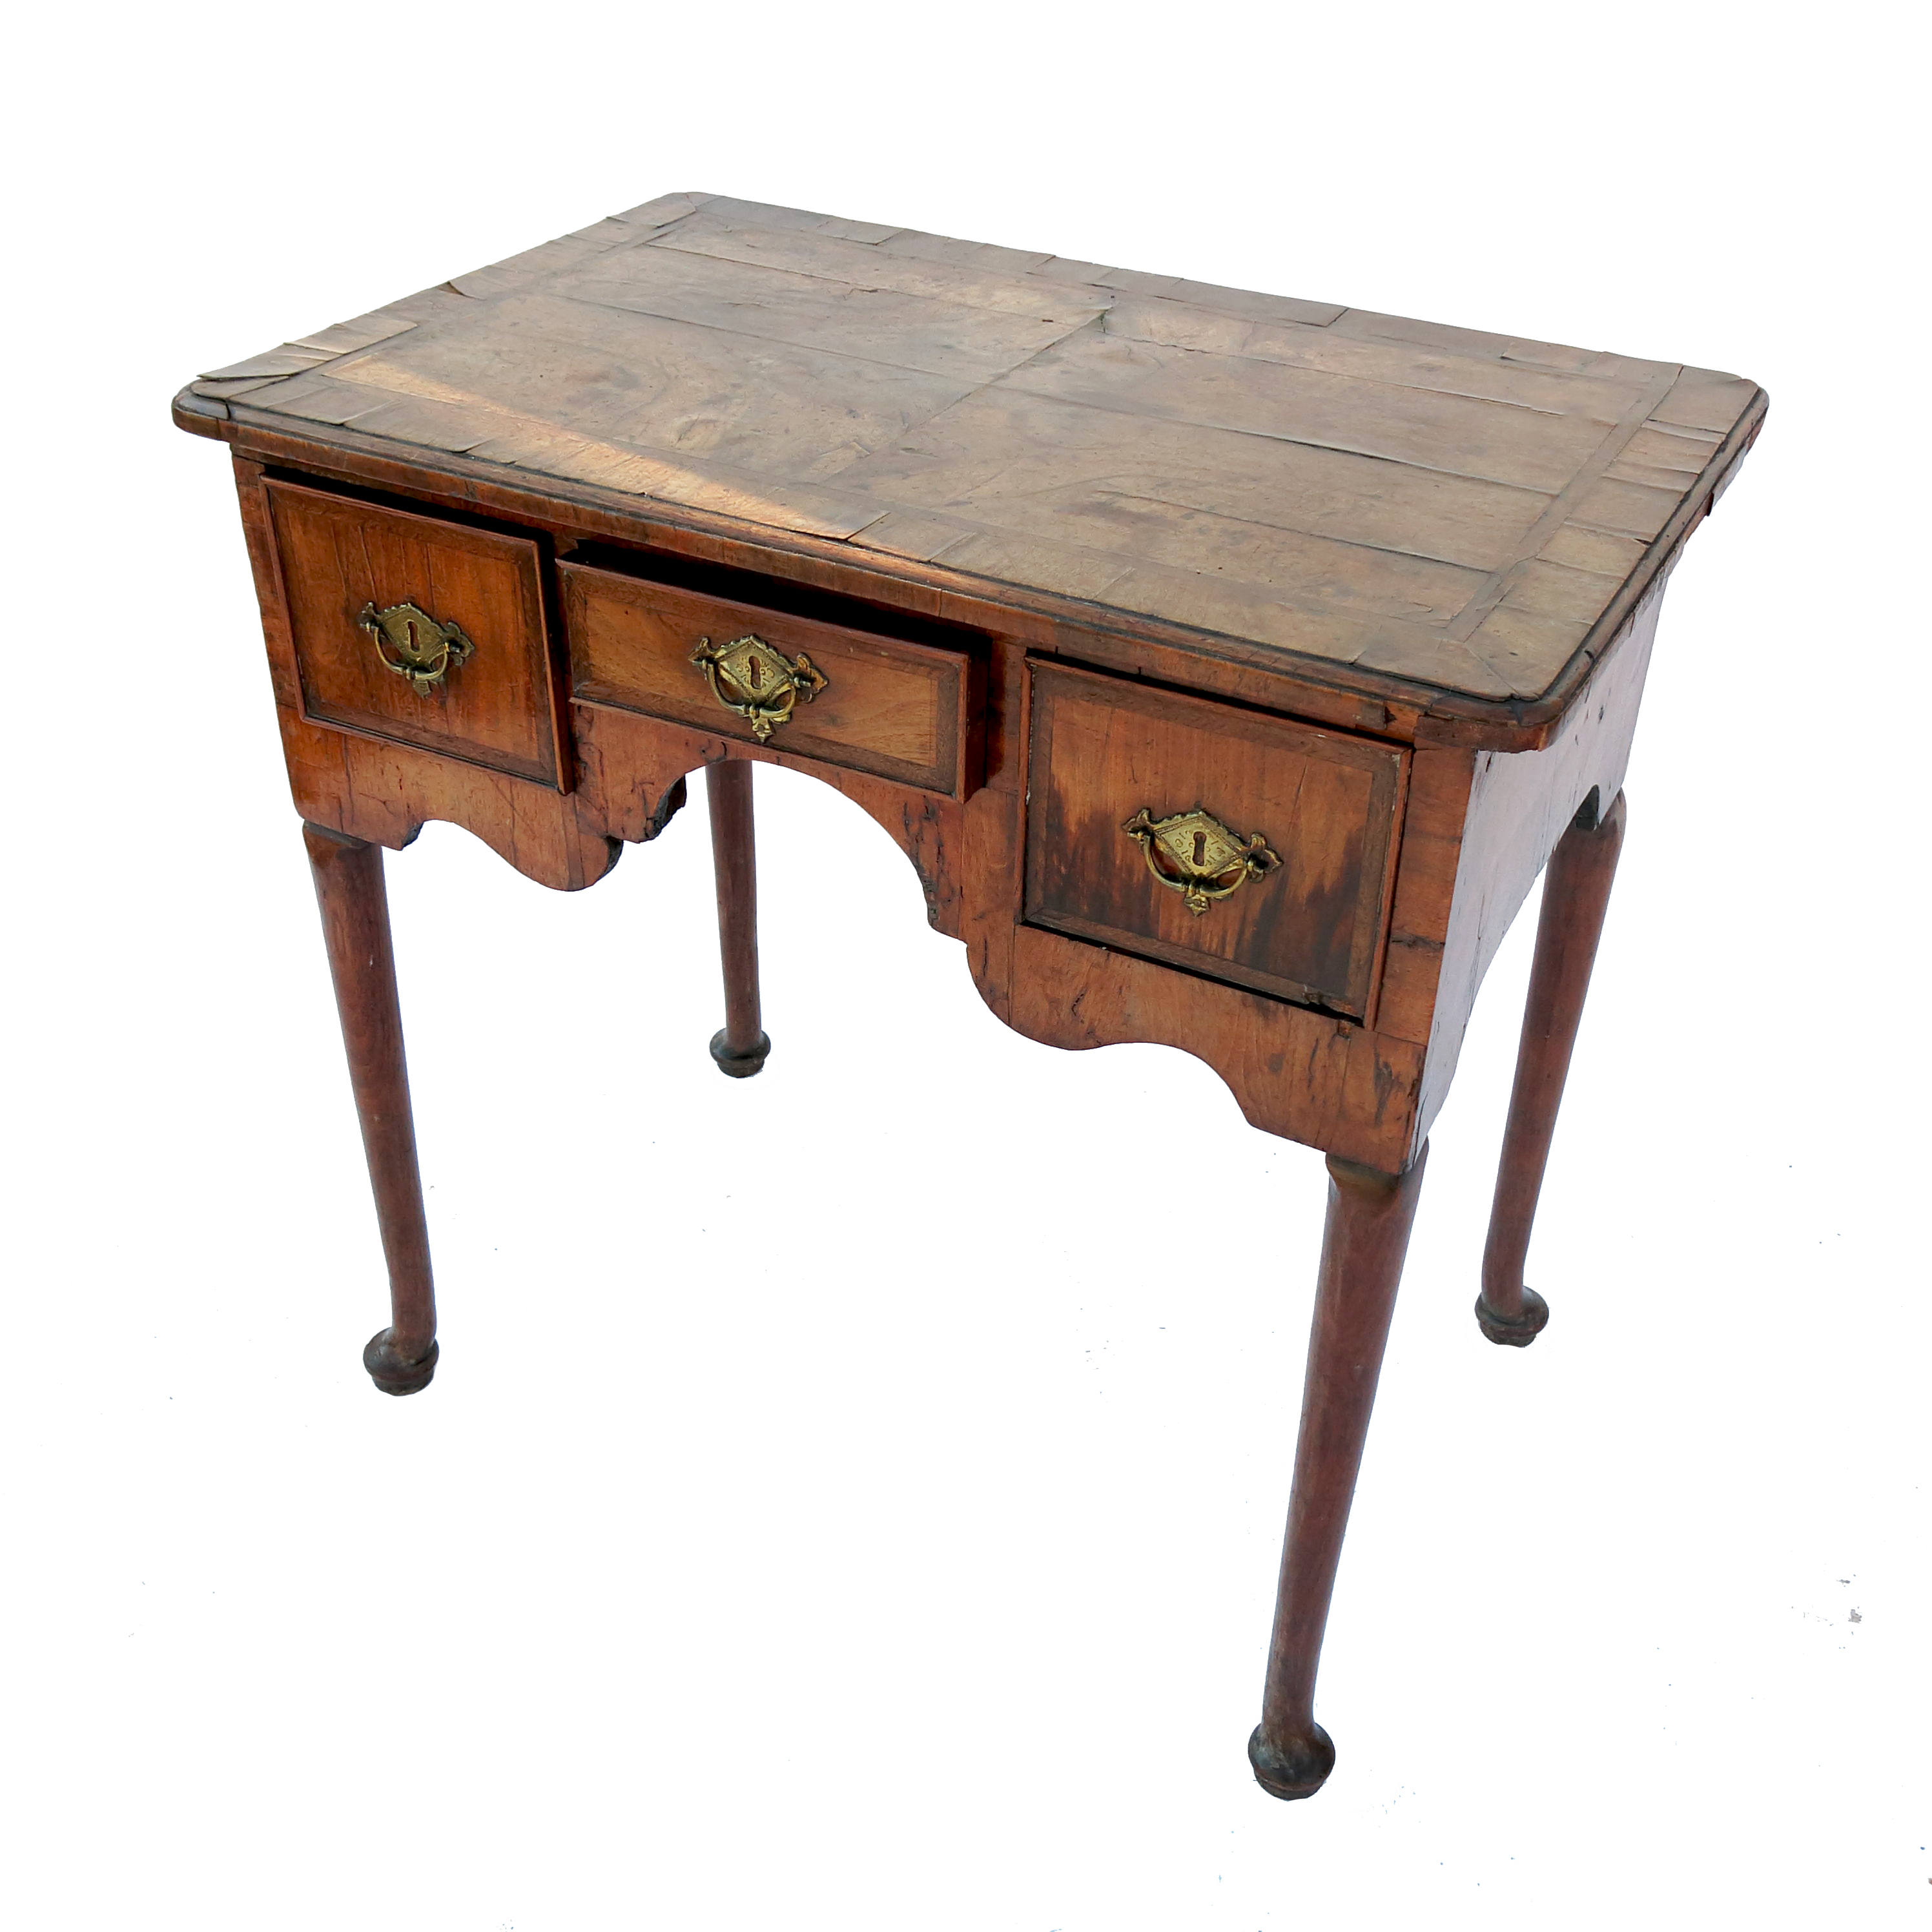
1464, 511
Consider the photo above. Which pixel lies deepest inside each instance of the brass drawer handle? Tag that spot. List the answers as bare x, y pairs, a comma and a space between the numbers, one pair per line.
424, 649
748, 676
1196, 855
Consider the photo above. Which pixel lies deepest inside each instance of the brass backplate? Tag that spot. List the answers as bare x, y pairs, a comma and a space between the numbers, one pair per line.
748, 676
415, 645
1197, 855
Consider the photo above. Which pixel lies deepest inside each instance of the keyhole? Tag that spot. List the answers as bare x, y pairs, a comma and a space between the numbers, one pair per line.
411, 650
757, 676
1200, 847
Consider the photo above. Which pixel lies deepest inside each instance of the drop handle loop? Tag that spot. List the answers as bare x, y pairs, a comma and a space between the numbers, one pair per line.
414, 645
1194, 854
748, 676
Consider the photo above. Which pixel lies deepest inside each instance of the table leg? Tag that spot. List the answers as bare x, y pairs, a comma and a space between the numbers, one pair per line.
355, 928
1576, 894
1366, 1234
741, 1048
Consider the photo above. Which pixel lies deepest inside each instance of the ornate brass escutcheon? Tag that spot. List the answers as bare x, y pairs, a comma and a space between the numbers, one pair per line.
748, 676
1196, 855
424, 650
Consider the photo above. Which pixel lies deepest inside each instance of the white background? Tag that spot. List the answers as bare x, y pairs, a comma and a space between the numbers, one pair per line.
851, 1498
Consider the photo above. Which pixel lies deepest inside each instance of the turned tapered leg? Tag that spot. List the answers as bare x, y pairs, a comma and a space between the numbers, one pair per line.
1576, 894
1369, 1215
741, 1048
355, 927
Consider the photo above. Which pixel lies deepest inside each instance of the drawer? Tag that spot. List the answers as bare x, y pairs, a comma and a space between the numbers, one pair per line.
416, 630
1233, 843
900, 710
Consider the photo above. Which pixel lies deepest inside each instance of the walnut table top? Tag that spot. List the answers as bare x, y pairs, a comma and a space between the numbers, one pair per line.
1466, 511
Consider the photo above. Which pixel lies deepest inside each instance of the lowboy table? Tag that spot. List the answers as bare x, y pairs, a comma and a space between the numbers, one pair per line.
1227, 666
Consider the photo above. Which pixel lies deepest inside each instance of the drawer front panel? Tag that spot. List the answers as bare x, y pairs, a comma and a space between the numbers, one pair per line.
1265, 848
902, 711
343, 563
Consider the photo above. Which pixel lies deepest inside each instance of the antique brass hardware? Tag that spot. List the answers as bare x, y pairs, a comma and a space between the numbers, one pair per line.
748, 676
1196, 855
424, 649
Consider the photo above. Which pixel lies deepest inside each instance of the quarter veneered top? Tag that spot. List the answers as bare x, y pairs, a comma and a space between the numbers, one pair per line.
1464, 510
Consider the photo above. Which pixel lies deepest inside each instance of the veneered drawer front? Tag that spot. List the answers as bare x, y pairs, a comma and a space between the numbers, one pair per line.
900, 710
344, 562
1296, 828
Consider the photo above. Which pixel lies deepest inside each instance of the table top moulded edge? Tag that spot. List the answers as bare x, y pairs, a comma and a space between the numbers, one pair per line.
1269, 675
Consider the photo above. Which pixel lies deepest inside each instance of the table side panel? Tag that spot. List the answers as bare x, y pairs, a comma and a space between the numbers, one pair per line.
1439, 777
1520, 805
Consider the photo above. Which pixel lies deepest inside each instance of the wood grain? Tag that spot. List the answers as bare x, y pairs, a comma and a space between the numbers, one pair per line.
739, 1047
1307, 1076
1515, 810
633, 767
1575, 895
1468, 512
384, 793
1363, 1241
1328, 806
354, 909
1326, 689
898, 709
338, 556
